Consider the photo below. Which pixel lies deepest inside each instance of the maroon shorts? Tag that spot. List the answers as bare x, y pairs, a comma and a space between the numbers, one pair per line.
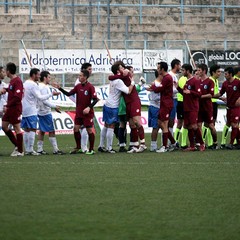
164, 113
190, 118
233, 115
133, 109
12, 115
86, 121
205, 116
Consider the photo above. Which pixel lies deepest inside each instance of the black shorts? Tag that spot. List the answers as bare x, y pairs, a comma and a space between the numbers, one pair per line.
180, 114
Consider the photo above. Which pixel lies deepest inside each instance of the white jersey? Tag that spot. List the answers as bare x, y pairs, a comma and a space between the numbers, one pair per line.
44, 106
30, 98
3, 97
154, 98
175, 80
116, 88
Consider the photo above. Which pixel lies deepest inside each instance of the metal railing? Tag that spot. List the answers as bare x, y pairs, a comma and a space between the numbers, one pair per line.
60, 7
9, 3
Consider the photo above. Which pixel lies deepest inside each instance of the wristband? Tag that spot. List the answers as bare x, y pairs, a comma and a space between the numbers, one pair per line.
132, 83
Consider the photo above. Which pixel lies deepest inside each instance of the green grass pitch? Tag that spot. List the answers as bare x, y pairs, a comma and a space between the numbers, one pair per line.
121, 196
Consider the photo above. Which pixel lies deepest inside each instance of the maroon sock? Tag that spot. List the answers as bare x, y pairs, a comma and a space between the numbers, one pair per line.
11, 137
141, 133
77, 137
170, 137
198, 135
20, 142
165, 139
91, 141
134, 135
191, 137
234, 135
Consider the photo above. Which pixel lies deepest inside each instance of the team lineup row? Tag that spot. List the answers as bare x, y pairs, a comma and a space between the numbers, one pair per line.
192, 97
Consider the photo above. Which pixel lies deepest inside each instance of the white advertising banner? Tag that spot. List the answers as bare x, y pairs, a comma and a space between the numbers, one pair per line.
152, 57
61, 61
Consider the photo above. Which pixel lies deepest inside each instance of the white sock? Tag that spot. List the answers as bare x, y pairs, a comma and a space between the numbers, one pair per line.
31, 140
25, 141
103, 136
39, 145
110, 133
53, 141
84, 139
153, 144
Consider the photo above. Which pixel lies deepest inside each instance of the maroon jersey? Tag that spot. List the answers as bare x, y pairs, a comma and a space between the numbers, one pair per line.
191, 101
128, 98
166, 90
84, 95
232, 89
207, 87
15, 93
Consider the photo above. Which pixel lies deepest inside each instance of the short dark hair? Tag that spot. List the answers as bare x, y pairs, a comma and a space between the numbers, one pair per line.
229, 70
115, 66
85, 65
120, 63
44, 74
129, 67
33, 71
214, 68
85, 73
188, 67
236, 70
175, 62
156, 73
203, 66
163, 65
1, 68
11, 67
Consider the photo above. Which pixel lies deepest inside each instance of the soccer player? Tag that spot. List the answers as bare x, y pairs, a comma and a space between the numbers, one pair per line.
3, 98
133, 111
176, 67
110, 108
232, 89
227, 125
205, 113
13, 110
237, 73
153, 110
45, 116
84, 135
215, 73
180, 116
122, 130
86, 99
165, 88
29, 115
191, 94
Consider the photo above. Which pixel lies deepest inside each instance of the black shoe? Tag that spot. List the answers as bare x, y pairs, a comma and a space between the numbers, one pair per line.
111, 151
122, 149
184, 147
213, 147
102, 149
223, 146
230, 147
59, 152
43, 152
